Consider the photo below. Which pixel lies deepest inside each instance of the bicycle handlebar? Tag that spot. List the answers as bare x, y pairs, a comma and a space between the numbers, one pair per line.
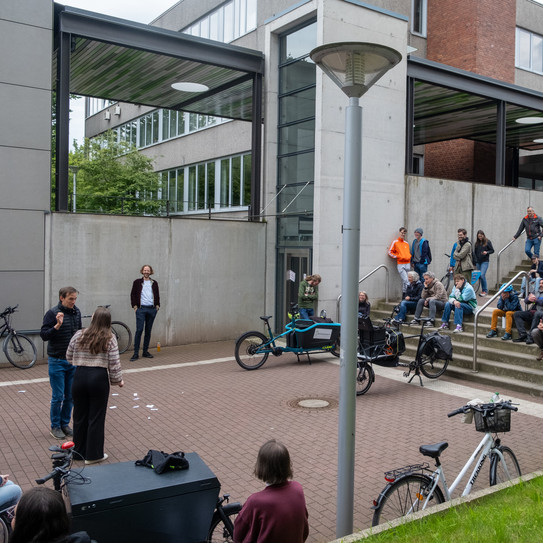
9, 310
47, 477
483, 408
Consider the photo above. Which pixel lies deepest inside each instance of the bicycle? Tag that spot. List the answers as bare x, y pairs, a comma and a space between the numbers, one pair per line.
434, 352
6, 517
121, 331
302, 337
222, 523
18, 348
414, 488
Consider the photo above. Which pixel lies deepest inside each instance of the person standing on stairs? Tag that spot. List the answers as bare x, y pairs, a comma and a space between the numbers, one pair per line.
532, 224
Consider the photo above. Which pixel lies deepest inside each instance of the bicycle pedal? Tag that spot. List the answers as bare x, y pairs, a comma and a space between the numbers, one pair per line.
406, 373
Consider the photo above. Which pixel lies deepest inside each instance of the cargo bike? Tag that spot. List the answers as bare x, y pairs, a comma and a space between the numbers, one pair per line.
301, 337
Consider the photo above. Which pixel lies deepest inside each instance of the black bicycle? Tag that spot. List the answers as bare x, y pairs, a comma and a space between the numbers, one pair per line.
221, 529
122, 333
18, 348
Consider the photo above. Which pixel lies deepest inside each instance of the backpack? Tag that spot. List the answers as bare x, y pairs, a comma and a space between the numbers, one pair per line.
160, 461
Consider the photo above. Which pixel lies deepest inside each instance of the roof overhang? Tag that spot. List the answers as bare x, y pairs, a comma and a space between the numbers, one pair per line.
132, 62
450, 104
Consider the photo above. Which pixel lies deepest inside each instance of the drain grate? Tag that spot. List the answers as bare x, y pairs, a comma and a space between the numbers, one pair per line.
314, 403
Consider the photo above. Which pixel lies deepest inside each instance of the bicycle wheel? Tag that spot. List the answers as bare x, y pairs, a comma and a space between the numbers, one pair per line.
431, 365
499, 470
405, 496
365, 376
123, 335
20, 350
447, 283
247, 352
336, 347
223, 530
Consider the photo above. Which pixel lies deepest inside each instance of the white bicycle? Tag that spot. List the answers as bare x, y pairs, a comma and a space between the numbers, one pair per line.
414, 488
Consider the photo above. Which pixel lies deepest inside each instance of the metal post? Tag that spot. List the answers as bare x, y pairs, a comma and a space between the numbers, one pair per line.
349, 320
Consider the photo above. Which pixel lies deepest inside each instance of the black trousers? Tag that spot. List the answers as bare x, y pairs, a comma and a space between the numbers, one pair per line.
90, 391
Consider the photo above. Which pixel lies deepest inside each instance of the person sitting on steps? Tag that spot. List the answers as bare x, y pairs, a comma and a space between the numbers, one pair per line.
462, 301
537, 335
434, 297
536, 272
411, 297
530, 316
507, 305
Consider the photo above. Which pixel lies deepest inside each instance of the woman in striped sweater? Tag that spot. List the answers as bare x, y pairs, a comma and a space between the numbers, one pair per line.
95, 354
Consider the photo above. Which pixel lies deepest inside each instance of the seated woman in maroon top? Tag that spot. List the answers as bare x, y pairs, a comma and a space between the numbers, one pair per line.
278, 513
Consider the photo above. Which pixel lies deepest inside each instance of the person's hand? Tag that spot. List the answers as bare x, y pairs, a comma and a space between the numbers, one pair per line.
457, 304
407, 298
120, 384
135, 308
60, 320
3, 479
485, 252
531, 297
425, 303
540, 325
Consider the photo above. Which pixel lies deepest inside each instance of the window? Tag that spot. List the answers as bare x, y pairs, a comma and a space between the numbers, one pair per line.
226, 23
419, 10
529, 51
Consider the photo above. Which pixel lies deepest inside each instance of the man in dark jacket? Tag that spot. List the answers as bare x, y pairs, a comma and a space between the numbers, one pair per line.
531, 317
60, 323
532, 224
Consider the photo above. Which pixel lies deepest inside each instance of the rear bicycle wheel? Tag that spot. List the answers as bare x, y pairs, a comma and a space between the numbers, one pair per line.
503, 471
222, 530
122, 334
20, 350
447, 282
404, 497
247, 351
365, 376
431, 365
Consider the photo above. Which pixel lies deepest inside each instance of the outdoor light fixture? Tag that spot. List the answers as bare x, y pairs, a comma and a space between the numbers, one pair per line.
187, 86
538, 140
354, 67
529, 120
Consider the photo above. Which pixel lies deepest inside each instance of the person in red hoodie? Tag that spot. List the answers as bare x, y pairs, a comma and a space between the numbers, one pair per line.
399, 250
278, 513
532, 224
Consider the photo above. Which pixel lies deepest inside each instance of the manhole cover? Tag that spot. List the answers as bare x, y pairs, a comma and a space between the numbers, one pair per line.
313, 403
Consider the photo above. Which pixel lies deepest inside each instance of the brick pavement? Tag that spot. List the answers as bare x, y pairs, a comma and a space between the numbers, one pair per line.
204, 402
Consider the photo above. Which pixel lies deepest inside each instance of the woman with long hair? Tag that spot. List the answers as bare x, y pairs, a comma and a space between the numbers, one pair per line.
482, 250
95, 354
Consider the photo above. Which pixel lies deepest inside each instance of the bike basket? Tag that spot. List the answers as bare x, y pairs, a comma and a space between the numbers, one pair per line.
498, 421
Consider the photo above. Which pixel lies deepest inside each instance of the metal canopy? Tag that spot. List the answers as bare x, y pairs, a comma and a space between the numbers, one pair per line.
451, 104
131, 62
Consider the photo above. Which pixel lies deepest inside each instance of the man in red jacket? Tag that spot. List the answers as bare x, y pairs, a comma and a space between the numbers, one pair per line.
399, 250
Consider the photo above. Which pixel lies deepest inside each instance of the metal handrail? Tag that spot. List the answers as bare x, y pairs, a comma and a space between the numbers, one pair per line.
498, 276
488, 302
338, 301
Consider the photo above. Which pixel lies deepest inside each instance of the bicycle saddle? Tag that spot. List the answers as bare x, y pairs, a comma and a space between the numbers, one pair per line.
266, 318
433, 451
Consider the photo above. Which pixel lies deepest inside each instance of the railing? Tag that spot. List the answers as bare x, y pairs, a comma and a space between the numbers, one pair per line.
498, 276
486, 304
338, 302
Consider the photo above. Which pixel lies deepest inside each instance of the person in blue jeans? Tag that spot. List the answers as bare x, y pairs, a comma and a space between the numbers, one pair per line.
481, 252
60, 323
145, 301
532, 224
10, 493
462, 301
411, 297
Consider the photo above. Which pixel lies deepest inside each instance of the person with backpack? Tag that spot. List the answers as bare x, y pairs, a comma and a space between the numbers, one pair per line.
421, 255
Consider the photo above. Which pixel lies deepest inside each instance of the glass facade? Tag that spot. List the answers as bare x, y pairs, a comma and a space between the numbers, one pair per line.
214, 185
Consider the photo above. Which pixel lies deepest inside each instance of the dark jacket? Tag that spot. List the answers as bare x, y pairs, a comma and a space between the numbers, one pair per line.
532, 227
511, 303
135, 294
424, 252
364, 310
478, 249
413, 290
60, 339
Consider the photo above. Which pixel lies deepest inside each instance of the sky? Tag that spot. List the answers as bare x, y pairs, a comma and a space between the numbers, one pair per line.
142, 11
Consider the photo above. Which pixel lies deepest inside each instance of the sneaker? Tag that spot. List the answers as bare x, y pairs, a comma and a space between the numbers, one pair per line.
492, 333
414, 321
147, 355
530, 340
429, 324
482, 294
57, 433
68, 432
444, 326
520, 339
506, 337
458, 329
89, 462
134, 357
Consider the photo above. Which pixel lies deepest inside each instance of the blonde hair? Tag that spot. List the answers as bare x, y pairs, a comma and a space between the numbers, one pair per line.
365, 294
314, 277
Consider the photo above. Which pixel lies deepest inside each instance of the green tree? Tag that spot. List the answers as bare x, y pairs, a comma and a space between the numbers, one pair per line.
113, 177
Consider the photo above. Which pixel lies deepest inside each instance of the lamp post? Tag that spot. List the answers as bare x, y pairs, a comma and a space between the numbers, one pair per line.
354, 67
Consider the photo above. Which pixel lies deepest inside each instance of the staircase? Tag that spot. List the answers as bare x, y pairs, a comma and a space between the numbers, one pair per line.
500, 364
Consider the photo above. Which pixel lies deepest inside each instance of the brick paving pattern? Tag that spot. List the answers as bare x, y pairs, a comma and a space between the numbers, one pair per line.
204, 402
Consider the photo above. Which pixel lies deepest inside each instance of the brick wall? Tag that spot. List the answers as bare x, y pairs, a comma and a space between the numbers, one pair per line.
477, 36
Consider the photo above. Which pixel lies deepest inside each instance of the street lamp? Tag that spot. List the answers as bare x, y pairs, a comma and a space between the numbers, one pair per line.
354, 67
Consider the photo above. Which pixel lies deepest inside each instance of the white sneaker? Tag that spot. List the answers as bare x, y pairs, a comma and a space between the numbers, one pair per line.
89, 462
458, 329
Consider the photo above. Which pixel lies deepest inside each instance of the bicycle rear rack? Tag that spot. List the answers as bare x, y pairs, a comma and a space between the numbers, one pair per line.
392, 475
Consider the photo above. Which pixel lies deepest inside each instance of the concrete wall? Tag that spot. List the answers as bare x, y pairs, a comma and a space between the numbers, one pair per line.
211, 274
25, 154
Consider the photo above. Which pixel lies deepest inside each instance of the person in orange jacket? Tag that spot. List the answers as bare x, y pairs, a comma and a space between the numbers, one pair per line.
399, 250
